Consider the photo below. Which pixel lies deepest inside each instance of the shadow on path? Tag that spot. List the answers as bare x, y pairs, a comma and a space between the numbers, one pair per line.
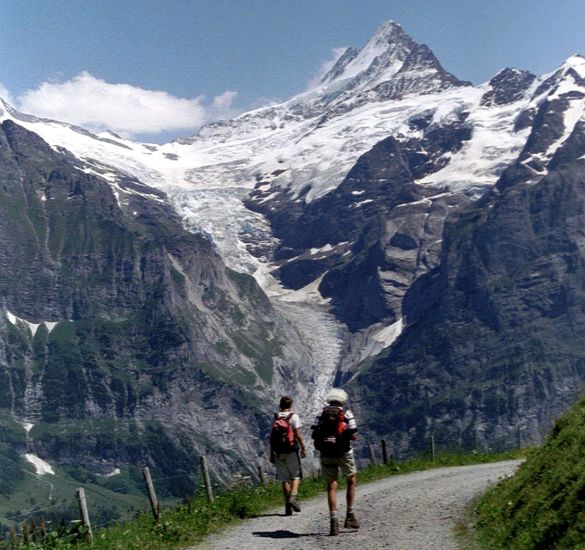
283, 534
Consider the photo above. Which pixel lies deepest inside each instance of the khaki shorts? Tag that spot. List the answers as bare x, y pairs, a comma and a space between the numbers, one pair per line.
330, 466
288, 466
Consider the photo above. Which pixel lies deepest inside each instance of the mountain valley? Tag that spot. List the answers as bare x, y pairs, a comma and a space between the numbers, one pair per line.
413, 237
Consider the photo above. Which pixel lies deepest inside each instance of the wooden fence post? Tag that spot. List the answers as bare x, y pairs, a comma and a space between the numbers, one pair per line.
151, 494
206, 479
372, 454
384, 452
43, 531
33, 530
519, 435
261, 474
433, 454
84, 513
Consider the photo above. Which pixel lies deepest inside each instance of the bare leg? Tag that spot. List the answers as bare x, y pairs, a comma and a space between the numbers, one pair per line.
286, 489
351, 485
295, 486
332, 501
351, 521
332, 495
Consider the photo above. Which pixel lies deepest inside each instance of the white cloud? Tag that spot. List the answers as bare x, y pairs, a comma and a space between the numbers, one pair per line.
129, 110
325, 67
223, 102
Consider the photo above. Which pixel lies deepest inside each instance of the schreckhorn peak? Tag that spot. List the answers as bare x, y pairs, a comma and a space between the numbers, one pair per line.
391, 52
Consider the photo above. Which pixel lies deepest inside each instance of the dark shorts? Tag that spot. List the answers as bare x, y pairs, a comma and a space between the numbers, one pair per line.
288, 467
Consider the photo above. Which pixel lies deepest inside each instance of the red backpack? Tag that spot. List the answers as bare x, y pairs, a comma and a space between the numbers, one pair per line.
282, 437
330, 433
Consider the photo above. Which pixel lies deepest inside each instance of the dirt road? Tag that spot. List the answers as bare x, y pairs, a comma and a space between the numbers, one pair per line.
410, 512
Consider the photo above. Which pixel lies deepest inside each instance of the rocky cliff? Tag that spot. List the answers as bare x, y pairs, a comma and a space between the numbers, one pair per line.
113, 315
494, 338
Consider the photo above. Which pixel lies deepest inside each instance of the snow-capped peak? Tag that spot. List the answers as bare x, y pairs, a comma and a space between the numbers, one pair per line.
569, 78
303, 148
385, 51
577, 63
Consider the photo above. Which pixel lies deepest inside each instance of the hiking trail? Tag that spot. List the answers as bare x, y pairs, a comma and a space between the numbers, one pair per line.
416, 511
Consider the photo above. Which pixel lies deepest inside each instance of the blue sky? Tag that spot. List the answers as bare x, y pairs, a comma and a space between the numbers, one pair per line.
214, 58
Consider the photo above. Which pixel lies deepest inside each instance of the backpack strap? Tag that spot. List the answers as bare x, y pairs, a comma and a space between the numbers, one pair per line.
288, 419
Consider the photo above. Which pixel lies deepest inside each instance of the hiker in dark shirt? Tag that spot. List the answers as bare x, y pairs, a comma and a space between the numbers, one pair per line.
286, 450
333, 432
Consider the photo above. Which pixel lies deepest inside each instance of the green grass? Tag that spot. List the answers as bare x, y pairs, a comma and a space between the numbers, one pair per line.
34, 492
190, 522
543, 505
25, 495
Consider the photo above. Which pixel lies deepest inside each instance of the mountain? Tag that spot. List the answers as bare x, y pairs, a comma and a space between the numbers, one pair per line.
392, 229
113, 315
494, 340
250, 182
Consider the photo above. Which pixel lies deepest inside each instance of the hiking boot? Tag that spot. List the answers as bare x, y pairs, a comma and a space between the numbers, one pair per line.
351, 522
288, 509
294, 503
334, 527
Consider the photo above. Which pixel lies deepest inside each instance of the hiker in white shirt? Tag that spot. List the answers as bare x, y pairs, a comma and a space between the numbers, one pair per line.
286, 450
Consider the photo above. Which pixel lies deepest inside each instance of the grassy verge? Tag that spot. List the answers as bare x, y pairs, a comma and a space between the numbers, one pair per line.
543, 504
190, 522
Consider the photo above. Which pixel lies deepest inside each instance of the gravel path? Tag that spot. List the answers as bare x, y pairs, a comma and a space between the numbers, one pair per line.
409, 512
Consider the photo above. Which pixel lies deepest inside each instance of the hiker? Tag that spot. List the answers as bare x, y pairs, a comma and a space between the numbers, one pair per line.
286, 450
333, 432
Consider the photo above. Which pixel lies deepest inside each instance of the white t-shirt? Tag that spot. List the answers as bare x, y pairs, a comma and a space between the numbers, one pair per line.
295, 421
351, 423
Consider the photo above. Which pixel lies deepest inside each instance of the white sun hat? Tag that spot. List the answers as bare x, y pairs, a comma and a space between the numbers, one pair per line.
336, 395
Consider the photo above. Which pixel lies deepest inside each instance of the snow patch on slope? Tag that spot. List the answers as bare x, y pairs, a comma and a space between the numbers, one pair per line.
386, 336
493, 145
571, 116
42, 468
14, 320
28, 426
